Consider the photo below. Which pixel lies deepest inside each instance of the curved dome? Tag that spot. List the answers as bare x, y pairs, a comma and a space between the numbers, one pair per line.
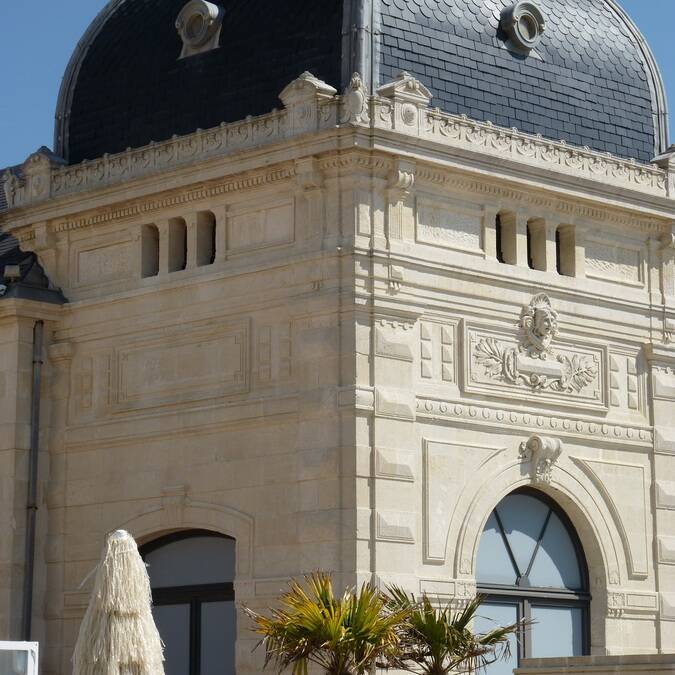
126, 85
591, 80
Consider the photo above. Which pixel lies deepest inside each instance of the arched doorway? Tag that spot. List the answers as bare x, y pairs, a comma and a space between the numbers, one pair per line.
192, 579
531, 565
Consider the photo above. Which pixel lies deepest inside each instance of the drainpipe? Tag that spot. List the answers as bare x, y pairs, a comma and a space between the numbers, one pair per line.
32, 506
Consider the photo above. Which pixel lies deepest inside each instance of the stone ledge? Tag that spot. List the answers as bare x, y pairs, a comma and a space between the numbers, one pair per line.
599, 665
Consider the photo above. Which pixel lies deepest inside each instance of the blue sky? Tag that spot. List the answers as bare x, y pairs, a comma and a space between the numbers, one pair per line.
34, 56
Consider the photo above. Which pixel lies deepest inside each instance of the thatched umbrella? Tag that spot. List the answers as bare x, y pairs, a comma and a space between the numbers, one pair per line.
118, 635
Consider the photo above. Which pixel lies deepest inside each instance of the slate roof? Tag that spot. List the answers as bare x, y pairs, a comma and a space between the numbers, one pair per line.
593, 85
132, 88
590, 86
32, 283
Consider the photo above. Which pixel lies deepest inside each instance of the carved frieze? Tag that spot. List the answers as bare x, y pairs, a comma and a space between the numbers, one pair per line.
495, 416
529, 364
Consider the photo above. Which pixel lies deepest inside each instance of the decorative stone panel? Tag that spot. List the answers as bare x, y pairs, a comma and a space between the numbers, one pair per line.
449, 224
625, 489
437, 352
181, 364
611, 262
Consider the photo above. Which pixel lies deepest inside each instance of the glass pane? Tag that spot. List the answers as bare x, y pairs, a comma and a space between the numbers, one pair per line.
557, 631
523, 518
493, 564
492, 615
556, 564
219, 626
14, 662
173, 623
196, 560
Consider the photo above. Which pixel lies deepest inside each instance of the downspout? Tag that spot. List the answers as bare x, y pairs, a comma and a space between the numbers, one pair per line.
32, 506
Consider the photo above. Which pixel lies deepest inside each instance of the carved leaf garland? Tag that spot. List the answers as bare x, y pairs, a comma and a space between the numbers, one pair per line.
490, 355
500, 363
579, 372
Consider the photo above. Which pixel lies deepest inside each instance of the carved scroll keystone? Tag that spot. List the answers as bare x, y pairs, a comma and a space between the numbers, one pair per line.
542, 452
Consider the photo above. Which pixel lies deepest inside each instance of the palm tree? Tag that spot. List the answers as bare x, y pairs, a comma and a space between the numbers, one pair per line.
436, 640
344, 635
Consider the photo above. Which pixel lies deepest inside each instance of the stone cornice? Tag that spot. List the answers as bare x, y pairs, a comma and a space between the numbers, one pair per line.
399, 109
12, 308
599, 431
176, 198
565, 208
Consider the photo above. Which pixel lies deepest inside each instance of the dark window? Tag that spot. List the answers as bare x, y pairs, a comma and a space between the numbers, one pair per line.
500, 239
531, 565
192, 575
558, 257
149, 251
206, 238
177, 244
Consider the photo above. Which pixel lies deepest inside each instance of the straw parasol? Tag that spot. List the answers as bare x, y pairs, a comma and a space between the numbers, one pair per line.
118, 635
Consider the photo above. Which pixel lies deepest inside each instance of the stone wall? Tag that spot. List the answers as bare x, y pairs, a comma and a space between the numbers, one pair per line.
312, 345
599, 665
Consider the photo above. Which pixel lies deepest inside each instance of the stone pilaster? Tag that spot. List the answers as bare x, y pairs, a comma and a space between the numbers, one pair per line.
662, 367
394, 518
17, 320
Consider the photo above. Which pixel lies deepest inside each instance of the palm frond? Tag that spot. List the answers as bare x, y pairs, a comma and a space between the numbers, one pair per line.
343, 635
436, 639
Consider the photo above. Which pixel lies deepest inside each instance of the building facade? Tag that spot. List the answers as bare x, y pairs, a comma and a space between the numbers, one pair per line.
360, 333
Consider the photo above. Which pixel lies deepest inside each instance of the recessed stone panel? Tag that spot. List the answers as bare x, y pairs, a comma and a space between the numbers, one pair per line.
254, 227
190, 364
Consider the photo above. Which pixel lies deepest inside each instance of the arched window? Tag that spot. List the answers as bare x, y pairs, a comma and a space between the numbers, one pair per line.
192, 575
531, 565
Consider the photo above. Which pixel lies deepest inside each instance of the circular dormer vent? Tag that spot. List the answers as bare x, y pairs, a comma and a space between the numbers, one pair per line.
524, 24
198, 26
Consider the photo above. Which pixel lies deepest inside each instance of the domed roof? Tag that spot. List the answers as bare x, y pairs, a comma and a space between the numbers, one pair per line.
590, 80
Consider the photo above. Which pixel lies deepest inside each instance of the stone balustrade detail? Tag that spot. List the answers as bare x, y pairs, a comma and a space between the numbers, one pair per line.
311, 106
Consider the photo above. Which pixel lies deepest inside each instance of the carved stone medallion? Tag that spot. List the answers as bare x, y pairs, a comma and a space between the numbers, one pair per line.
534, 362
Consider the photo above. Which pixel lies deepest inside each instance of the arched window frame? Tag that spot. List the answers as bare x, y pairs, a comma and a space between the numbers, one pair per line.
524, 595
195, 595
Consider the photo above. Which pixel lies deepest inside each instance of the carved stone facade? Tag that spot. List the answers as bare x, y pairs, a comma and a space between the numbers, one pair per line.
307, 341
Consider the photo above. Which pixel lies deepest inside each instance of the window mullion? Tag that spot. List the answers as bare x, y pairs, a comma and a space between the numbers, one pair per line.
527, 635
538, 544
502, 532
195, 637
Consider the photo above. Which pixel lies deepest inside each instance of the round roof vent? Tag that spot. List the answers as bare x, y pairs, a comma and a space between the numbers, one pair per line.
198, 25
524, 24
